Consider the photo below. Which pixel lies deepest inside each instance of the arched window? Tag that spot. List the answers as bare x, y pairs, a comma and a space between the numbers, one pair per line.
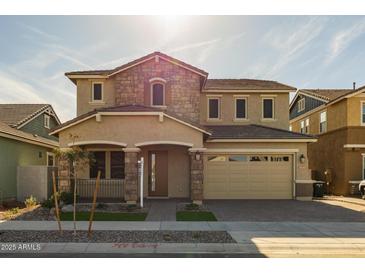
158, 94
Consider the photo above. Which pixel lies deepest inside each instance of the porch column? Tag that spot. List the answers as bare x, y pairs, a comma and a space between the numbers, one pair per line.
196, 175
64, 176
131, 175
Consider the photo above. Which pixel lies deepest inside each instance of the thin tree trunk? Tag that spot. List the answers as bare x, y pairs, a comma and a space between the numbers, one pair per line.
74, 215
55, 195
94, 202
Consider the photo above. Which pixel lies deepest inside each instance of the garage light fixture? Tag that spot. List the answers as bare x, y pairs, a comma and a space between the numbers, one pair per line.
302, 158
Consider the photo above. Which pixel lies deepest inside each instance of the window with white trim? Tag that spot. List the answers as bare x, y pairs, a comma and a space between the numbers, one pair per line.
323, 122
46, 122
301, 104
268, 108
240, 108
306, 130
97, 92
50, 159
363, 113
158, 94
302, 126
213, 108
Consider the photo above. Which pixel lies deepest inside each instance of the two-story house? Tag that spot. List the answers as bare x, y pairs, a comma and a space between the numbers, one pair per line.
24, 141
200, 138
337, 118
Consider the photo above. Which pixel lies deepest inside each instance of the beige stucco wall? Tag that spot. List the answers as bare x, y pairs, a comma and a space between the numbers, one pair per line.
346, 112
302, 170
178, 170
354, 110
131, 130
84, 93
254, 109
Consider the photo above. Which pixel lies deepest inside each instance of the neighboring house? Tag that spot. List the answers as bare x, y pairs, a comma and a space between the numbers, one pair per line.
337, 117
200, 138
24, 141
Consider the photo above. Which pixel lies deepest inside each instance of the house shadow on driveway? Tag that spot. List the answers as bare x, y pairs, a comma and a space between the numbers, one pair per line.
284, 211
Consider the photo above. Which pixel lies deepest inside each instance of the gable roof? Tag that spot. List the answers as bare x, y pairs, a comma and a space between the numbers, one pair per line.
16, 134
326, 94
129, 109
245, 84
254, 131
15, 115
329, 96
156, 54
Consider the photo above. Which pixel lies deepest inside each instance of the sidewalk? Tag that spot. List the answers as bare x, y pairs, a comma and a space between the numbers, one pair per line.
254, 239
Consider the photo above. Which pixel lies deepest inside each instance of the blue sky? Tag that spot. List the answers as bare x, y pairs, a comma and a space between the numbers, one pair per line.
302, 51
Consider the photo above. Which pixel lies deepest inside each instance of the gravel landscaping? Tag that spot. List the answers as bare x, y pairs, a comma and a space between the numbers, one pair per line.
118, 237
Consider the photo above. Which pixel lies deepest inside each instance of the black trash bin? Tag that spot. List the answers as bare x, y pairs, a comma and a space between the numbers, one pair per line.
318, 189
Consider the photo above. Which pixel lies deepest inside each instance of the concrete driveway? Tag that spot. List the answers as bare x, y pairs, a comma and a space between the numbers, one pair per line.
286, 211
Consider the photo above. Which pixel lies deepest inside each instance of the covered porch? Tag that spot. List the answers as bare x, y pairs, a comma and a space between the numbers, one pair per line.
171, 150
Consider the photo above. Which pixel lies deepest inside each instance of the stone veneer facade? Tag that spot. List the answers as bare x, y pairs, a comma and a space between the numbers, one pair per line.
196, 177
182, 88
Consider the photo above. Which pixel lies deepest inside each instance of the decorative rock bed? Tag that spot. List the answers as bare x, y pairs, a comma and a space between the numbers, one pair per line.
118, 236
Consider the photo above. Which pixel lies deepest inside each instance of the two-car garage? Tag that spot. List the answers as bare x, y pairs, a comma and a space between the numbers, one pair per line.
248, 176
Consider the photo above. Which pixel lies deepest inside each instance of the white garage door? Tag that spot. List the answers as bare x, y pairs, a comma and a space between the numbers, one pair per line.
248, 176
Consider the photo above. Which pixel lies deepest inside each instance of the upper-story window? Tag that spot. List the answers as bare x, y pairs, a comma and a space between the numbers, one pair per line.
301, 104
363, 113
323, 122
240, 108
46, 121
214, 108
268, 108
302, 126
97, 92
158, 94
306, 129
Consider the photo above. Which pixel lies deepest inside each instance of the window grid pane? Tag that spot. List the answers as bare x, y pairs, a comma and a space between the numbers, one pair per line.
117, 165
268, 109
240, 108
158, 95
97, 96
98, 164
214, 108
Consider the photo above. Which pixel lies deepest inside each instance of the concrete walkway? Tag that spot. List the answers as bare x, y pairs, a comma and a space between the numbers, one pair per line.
161, 209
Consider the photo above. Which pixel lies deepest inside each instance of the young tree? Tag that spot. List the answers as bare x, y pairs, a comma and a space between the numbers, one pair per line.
77, 159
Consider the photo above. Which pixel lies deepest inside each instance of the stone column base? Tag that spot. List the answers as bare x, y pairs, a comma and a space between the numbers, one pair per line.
196, 176
131, 175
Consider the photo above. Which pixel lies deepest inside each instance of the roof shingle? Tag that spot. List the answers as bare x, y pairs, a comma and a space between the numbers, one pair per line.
253, 131
15, 114
327, 94
245, 84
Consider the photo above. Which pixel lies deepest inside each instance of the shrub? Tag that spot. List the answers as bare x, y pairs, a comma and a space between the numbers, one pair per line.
31, 201
49, 203
192, 206
101, 206
67, 197
11, 212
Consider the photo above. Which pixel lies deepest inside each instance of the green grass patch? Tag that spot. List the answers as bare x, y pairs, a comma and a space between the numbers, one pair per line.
104, 216
195, 216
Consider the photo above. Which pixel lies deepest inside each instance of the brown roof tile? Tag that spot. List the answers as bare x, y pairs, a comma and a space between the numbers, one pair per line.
13, 133
253, 131
15, 114
242, 84
327, 94
111, 71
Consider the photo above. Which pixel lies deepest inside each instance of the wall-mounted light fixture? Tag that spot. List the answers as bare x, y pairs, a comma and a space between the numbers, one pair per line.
302, 158
197, 156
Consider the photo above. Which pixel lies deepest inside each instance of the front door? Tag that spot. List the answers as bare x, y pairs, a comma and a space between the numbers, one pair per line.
157, 174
